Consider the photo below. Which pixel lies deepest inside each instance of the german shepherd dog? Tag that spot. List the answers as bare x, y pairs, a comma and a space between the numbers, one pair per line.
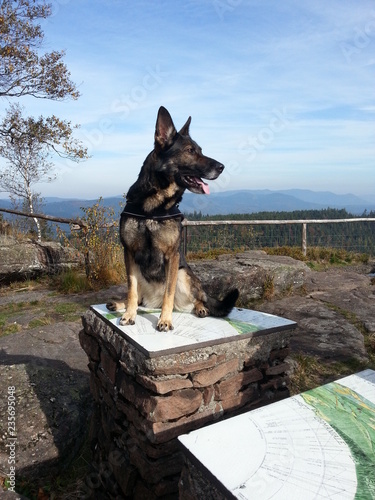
150, 229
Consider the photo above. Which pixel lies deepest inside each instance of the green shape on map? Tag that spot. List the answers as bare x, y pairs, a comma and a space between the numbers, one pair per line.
116, 315
353, 418
113, 315
241, 326
148, 311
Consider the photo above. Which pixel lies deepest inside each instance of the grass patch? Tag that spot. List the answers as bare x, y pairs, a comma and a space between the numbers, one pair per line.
67, 311
71, 281
268, 287
294, 252
311, 372
214, 253
75, 281
316, 256
66, 308
42, 314
316, 266
12, 308
28, 285
7, 329
7, 316
43, 321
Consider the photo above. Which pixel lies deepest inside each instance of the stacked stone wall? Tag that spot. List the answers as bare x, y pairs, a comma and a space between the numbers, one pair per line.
142, 404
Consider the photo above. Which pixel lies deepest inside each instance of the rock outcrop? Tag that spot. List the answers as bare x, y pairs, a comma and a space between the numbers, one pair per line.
337, 307
332, 308
255, 274
29, 259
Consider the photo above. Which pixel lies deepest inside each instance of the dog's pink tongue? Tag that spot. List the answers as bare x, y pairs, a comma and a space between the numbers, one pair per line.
204, 186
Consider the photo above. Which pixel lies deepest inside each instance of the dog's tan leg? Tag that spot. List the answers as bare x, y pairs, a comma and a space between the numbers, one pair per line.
128, 318
165, 320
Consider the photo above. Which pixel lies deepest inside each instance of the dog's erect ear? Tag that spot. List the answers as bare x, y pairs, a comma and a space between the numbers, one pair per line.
164, 130
185, 128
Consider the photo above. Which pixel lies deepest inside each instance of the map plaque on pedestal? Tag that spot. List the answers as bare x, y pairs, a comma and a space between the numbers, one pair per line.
191, 331
316, 445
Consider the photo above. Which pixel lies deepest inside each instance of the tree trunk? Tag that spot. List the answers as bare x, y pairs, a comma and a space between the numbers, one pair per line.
31, 209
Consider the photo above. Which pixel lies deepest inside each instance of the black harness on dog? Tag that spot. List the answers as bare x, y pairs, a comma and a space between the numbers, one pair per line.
134, 210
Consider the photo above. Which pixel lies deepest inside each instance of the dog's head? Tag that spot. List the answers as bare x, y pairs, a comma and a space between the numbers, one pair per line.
179, 157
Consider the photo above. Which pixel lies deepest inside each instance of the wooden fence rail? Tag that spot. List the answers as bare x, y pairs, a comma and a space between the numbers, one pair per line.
62, 220
303, 222
79, 224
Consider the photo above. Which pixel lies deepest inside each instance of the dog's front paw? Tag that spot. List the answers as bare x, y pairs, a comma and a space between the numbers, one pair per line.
127, 319
164, 324
201, 311
115, 306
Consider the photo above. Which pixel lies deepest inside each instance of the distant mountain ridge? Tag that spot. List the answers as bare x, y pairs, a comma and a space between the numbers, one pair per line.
229, 202
249, 201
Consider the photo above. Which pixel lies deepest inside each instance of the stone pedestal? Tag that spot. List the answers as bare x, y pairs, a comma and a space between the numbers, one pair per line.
150, 387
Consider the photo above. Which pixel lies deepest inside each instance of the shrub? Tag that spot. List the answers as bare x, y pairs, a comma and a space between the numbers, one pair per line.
71, 281
99, 242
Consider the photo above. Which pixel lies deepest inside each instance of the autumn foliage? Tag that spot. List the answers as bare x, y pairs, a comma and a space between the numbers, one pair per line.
23, 71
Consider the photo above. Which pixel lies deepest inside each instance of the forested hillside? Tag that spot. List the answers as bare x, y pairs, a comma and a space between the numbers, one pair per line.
327, 213
355, 236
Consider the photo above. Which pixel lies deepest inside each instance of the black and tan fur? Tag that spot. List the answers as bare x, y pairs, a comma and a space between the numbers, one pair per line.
150, 229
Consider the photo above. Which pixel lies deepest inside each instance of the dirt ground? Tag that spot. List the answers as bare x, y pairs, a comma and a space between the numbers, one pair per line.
41, 357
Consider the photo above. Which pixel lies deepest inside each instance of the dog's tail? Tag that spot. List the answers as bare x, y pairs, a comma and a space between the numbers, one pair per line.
220, 308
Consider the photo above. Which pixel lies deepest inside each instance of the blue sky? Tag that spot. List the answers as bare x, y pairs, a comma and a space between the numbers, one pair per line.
282, 93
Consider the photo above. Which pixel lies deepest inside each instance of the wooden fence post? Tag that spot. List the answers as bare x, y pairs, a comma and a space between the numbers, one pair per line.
185, 239
304, 239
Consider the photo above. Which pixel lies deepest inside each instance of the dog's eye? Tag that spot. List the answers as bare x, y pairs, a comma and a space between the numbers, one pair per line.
190, 150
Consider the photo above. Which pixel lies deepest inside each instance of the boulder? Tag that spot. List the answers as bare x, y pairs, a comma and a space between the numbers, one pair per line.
255, 274
27, 259
321, 331
337, 307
